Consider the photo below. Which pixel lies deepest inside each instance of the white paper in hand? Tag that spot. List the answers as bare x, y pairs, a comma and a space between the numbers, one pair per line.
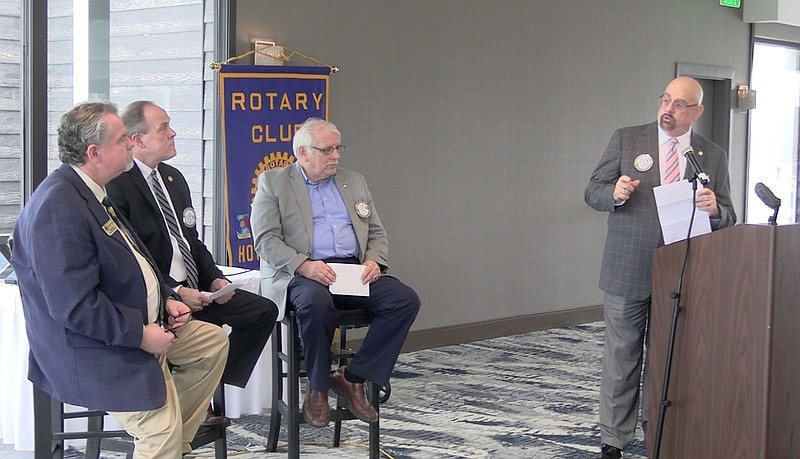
224, 290
348, 280
674, 202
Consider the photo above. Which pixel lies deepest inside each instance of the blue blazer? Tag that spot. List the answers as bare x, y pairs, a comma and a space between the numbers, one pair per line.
84, 301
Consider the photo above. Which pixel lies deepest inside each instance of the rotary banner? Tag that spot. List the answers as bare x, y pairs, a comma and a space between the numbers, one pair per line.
262, 106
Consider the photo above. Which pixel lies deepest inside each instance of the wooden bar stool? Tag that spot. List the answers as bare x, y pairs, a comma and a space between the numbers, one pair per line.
49, 434
292, 356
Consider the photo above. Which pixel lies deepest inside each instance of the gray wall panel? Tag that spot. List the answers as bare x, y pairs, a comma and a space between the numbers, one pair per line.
478, 123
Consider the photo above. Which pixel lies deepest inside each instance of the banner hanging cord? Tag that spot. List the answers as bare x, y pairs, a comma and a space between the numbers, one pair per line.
281, 57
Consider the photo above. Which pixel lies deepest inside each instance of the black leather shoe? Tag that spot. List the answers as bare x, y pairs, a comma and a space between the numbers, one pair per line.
356, 396
316, 411
213, 420
610, 452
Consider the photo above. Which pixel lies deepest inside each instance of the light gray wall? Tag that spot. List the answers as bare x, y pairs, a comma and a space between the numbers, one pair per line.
478, 123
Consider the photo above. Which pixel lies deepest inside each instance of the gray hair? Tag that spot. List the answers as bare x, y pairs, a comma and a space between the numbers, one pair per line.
80, 127
133, 117
306, 134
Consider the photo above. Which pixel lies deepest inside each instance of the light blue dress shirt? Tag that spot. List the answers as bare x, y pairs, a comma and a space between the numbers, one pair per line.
334, 236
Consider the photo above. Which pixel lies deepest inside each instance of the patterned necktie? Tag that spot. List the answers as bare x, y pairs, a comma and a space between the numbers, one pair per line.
172, 225
671, 170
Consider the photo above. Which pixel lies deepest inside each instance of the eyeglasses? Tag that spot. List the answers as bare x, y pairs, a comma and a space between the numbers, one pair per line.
678, 105
327, 151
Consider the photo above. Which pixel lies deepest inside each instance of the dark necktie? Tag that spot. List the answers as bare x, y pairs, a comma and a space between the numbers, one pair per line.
172, 225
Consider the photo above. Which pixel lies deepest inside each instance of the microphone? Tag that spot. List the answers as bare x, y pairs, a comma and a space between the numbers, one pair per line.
688, 152
767, 197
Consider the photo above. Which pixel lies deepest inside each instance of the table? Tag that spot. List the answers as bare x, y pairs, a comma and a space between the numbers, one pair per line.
16, 392
256, 397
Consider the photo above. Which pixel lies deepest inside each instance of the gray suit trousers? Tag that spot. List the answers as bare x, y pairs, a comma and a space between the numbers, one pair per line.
626, 325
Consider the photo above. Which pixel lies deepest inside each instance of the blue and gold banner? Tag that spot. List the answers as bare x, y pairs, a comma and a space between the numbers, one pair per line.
262, 106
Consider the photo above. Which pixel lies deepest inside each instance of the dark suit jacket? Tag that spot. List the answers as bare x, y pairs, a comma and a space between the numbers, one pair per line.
131, 194
85, 301
634, 231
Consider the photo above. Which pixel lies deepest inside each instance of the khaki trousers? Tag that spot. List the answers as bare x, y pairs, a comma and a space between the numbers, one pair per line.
197, 356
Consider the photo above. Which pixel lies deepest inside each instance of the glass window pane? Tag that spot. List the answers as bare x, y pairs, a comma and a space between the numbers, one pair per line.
774, 131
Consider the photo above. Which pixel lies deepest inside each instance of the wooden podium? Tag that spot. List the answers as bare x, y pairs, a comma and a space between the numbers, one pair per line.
735, 379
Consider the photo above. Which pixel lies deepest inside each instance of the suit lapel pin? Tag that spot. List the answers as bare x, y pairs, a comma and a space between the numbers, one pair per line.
643, 162
700, 153
170, 179
189, 217
362, 209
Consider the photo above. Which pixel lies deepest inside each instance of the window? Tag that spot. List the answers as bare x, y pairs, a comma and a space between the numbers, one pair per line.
774, 128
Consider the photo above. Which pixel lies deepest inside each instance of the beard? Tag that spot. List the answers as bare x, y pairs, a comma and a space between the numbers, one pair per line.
667, 122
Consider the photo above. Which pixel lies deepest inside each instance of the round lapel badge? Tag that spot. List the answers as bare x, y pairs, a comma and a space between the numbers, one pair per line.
643, 162
363, 210
189, 217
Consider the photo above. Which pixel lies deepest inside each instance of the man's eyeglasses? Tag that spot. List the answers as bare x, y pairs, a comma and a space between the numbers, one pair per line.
328, 150
678, 105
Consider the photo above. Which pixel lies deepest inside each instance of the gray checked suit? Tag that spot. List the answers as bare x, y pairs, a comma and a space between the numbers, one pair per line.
634, 232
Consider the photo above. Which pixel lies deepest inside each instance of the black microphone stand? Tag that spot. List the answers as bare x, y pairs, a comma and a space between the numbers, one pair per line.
676, 308
773, 220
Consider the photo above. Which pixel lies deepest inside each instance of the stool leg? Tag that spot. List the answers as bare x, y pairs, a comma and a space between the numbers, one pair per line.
221, 446
93, 424
293, 381
375, 427
337, 427
277, 389
46, 420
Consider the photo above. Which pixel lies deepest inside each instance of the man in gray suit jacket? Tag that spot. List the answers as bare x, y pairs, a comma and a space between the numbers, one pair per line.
635, 162
304, 217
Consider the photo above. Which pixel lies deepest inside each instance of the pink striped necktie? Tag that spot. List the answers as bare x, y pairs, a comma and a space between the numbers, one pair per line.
672, 172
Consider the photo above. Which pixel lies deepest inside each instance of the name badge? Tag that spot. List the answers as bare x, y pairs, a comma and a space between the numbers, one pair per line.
110, 227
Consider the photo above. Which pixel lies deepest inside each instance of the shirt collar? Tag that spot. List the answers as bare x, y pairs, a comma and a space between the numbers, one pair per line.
684, 139
98, 191
144, 168
309, 182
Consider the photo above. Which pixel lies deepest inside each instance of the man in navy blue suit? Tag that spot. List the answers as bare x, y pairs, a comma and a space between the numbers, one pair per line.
103, 327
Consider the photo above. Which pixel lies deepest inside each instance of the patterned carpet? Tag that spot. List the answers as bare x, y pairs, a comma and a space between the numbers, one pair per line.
532, 395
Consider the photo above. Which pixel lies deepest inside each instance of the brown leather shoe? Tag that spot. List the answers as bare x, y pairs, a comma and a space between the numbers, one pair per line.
356, 396
316, 411
213, 420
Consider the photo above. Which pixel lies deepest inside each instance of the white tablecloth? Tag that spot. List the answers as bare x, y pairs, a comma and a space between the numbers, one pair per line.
16, 392
256, 397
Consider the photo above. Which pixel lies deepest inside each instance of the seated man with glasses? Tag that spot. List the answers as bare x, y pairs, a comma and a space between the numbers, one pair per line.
305, 216
638, 159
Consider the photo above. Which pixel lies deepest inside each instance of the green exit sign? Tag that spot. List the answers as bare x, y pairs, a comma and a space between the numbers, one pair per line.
731, 3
